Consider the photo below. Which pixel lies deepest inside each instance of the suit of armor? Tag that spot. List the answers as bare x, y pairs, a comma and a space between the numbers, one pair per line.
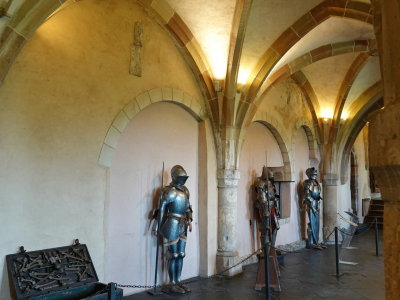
312, 196
267, 206
176, 217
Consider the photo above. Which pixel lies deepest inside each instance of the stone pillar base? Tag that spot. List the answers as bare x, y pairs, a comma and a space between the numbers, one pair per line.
226, 260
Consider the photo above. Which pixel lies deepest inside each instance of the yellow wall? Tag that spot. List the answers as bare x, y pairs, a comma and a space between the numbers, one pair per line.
56, 105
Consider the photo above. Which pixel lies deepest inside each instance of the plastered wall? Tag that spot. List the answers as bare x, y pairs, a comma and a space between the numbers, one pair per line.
259, 148
162, 132
260, 145
285, 102
362, 178
302, 163
56, 105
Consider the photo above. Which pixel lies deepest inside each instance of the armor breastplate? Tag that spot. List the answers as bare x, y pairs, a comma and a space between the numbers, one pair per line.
174, 224
179, 203
271, 192
315, 190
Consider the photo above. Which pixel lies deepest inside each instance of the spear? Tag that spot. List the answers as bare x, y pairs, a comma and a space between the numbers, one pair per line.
155, 291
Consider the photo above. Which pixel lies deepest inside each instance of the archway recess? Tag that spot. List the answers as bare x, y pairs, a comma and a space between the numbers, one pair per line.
138, 104
153, 137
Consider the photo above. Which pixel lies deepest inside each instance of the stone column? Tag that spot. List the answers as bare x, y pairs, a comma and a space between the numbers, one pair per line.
227, 255
384, 146
384, 137
330, 200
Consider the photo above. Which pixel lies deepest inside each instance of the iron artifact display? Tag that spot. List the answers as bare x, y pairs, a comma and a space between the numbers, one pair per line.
312, 197
175, 217
267, 216
57, 273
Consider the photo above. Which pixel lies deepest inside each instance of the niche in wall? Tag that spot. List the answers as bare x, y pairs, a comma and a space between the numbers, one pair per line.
161, 132
259, 148
302, 162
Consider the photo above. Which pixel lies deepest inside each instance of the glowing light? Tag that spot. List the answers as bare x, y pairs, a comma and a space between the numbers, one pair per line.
218, 65
215, 49
243, 76
327, 113
345, 115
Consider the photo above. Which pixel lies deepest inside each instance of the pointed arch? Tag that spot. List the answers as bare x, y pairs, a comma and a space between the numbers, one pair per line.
240, 20
317, 54
327, 9
330, 8
306, 125
344, 90
352, 130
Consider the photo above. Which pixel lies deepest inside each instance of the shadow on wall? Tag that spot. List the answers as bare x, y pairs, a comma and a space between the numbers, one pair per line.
163, 253
155, 205
251, 209
302, 212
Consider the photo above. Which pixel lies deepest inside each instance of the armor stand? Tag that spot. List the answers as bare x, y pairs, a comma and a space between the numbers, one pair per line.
273, 272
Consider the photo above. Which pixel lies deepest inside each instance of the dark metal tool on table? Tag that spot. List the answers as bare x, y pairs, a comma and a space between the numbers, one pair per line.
57, 273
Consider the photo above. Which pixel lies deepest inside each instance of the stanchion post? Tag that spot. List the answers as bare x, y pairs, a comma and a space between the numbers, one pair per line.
337, 252
266, 266
376, 237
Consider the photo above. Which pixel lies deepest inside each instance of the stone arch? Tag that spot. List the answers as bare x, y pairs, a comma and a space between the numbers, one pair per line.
32, 14
358, 123
312, 56
282, 139
306, 125
320, 13
313, 18
139, 103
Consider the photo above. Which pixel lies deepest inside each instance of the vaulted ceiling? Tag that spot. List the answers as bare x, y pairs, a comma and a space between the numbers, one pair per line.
330, 45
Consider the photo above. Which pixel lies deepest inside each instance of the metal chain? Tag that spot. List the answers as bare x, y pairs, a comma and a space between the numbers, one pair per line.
138, 286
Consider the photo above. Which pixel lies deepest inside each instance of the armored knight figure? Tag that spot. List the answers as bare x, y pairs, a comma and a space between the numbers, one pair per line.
175, 219
312, 197
267, 206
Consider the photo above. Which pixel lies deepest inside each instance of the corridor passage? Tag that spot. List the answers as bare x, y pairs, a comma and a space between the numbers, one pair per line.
305, 275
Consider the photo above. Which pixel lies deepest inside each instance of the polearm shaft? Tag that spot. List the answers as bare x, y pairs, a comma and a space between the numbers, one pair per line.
158, 228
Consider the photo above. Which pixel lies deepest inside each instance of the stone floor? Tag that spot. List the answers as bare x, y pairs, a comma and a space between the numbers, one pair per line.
307, 274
